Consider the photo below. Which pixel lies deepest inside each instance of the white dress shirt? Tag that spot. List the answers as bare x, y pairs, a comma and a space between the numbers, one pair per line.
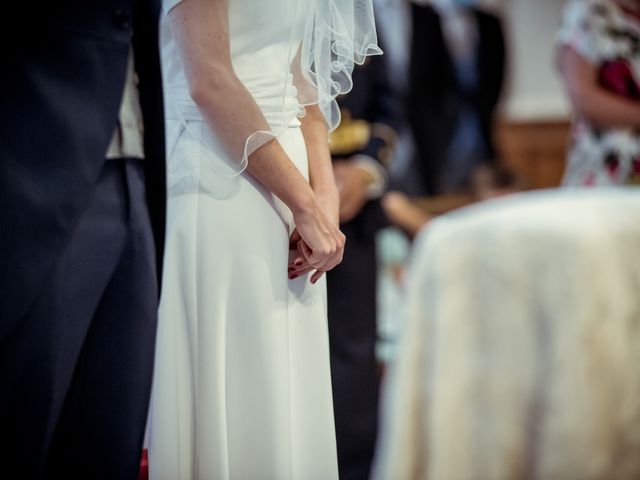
127, 140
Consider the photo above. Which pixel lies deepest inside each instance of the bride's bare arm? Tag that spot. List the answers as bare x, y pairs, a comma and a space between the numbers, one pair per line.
316, 138
321, 177
201, 31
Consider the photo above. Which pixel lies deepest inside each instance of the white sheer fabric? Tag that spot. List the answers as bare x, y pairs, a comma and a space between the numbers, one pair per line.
289, 54
337, 35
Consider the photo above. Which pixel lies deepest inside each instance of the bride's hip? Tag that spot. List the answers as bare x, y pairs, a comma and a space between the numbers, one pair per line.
193, 153
200, 193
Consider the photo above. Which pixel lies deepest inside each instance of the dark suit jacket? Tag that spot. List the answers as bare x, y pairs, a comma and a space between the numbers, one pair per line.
61, 85
371, 101
435, 96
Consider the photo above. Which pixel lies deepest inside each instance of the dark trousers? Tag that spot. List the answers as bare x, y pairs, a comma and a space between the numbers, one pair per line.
352, 336
75, 372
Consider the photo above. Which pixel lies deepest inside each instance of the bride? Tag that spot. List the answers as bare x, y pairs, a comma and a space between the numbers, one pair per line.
242, 384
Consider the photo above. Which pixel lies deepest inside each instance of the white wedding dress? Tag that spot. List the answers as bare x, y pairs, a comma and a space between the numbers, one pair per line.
242, 386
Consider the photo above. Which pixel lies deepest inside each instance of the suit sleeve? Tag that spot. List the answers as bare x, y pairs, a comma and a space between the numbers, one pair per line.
383, 114
501, 61
494, 64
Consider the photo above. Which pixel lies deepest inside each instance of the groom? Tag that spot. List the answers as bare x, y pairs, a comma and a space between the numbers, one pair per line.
82, 188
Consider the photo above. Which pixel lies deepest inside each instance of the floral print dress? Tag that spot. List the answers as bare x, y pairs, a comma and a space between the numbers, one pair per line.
607, 37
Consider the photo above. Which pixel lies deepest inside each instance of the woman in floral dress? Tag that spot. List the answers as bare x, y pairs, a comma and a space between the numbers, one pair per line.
599, 60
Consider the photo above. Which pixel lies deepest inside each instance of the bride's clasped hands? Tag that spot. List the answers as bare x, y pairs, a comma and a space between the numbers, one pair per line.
317, 240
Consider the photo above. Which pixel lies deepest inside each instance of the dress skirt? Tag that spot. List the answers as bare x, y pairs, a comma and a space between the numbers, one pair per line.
242, 386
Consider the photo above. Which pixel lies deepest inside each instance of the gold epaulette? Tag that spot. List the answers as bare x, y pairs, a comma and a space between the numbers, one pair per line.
350, 136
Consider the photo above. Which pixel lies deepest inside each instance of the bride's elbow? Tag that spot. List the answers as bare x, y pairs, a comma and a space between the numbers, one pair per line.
212, 86
200, 92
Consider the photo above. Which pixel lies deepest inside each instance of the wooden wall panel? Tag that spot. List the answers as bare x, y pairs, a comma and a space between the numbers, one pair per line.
535, 149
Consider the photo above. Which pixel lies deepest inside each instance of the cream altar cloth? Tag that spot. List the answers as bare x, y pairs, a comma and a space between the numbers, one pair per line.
522, 354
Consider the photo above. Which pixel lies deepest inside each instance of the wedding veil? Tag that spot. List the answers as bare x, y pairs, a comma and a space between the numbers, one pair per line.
338, 34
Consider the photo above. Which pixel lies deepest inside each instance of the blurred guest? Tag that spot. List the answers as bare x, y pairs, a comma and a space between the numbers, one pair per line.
599, 60
492, 181
447, 59
403, 213
487, 181
360, 148
395, 31
521, 353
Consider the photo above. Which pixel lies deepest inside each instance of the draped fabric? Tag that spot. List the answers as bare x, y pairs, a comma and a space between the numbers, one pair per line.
521, 357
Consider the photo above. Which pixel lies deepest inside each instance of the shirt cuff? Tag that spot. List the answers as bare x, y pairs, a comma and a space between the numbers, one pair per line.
379, 175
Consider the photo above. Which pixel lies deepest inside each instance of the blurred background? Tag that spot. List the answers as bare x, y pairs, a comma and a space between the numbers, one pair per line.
478, 102
533, 124
530, 130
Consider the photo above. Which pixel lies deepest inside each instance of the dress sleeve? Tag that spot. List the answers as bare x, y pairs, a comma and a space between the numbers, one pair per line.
578, 28
167, 5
